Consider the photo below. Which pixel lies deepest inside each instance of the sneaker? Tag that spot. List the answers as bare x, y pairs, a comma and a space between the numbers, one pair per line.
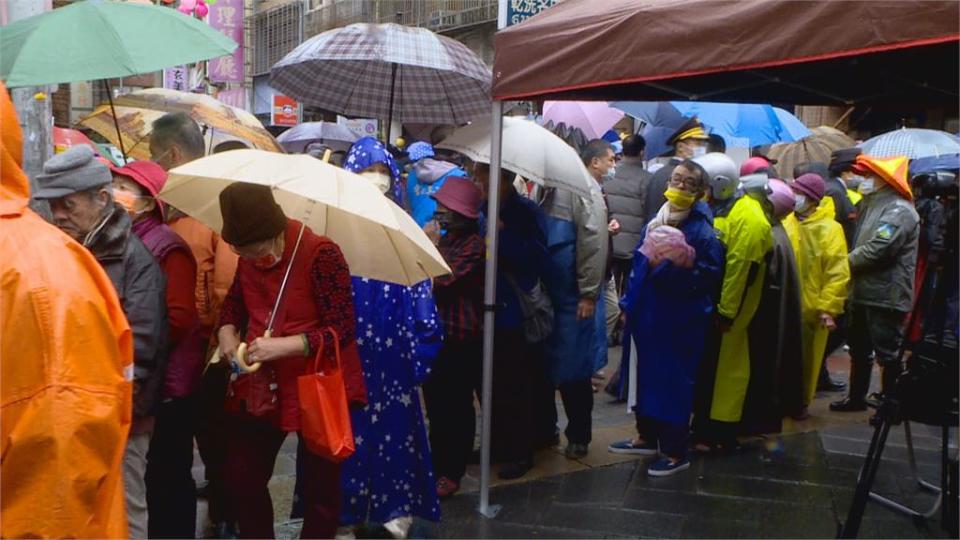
575, 451
446, 487
629, 446
665, 467
399, 528
848, 405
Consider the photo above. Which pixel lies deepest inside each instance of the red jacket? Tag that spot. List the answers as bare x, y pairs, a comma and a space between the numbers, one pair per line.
317, 297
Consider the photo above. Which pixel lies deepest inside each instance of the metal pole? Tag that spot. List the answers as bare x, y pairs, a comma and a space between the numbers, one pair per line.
116, 122
489, 307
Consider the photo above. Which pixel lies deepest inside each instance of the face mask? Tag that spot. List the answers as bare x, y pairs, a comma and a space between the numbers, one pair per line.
379, 180
801, 204
679, 198
699, 151
611, 172
854, 182
866, 187
128, 201
268, 261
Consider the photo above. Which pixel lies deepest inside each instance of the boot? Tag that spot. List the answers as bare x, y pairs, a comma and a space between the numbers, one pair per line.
859, 384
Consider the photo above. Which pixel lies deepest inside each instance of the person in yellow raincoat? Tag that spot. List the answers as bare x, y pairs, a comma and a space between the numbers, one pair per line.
66, 356
821, 252
742, 227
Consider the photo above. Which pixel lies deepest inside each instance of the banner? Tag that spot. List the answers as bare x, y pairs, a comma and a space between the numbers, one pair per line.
235, 97
227, 17
521, 10
176, 78
363, 127
285, 111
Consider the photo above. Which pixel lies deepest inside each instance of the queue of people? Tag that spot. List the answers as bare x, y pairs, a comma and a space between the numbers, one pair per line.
724, 283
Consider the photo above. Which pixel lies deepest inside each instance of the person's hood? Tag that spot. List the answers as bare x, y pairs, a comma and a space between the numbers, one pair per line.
14, 184
429, 170
826, 210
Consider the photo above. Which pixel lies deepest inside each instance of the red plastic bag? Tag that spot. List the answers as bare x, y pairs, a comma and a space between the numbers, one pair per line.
324, 416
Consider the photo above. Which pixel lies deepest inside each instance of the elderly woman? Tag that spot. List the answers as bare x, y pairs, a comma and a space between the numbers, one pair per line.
171, 492
263, 406
389, 479
669, 303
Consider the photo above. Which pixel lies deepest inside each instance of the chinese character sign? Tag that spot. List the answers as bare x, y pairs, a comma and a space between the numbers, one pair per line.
175, 78
227, 17
521, 10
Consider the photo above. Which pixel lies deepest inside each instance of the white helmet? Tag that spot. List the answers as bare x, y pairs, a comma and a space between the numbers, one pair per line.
722, 174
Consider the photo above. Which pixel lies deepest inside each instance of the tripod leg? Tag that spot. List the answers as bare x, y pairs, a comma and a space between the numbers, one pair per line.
851, 527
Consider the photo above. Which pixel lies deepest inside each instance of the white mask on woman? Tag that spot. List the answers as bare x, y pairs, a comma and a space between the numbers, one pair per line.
378, 179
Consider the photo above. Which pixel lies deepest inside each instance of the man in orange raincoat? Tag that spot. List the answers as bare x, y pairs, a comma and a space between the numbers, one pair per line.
66, 356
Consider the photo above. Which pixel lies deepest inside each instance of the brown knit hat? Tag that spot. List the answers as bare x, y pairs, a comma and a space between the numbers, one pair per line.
250, 214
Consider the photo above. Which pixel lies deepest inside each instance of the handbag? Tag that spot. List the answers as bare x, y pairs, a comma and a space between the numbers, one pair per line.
324, 416
537, 311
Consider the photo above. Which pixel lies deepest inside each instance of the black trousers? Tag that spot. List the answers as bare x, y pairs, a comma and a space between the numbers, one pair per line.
577, 400
873, 333
212, 441
171, 492
674, 439
448, 394
514, 370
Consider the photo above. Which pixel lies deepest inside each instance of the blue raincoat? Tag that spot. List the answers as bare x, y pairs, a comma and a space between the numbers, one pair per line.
576, 348
399, 334
669, 311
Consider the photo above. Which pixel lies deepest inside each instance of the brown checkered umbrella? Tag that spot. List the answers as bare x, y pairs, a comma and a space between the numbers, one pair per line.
387, 71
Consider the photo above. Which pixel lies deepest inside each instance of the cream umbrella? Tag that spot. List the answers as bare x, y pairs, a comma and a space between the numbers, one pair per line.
529, 150
378, 239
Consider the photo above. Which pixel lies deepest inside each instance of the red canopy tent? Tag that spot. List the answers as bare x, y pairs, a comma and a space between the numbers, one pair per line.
799, 51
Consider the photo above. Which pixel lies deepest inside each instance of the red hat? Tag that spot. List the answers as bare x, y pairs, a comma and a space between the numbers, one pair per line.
146, 174
811, 185
753, 165
460, 195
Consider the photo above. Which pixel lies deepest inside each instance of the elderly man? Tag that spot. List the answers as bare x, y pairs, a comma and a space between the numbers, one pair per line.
176, 139
58, 385
576, 260
78, 188
689, 141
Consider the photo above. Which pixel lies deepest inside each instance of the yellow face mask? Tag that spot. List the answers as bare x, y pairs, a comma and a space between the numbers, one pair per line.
679, 198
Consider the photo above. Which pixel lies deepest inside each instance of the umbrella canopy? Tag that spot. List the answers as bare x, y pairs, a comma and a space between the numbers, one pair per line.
913, 143
64, 138
378, 239
818, 146
927, 165
593, 117
878, 51
136, 111
387, 71
333, 135
759, 124
103, 40
529, 150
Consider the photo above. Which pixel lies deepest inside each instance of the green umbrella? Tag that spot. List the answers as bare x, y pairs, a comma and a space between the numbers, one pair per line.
99, 39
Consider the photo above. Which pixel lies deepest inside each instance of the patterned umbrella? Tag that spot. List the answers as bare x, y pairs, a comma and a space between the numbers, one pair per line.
136, 111
387, 71
817, 147
913, 143
333, 135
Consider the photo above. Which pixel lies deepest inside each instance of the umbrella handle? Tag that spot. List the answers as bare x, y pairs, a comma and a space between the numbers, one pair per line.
327, 154
241, 360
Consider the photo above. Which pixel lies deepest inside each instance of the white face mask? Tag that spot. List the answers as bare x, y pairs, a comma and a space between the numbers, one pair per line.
611, 172
866, 187
699, 151
801, 203
379, 180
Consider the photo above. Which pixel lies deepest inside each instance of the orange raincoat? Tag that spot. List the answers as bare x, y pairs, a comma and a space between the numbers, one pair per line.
66, 356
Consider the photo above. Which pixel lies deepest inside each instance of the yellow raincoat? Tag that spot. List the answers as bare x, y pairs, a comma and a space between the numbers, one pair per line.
821, 253
746, 233
66, 352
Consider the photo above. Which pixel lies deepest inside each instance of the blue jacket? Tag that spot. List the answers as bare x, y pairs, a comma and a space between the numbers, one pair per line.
669, 311
424, 180
521, 252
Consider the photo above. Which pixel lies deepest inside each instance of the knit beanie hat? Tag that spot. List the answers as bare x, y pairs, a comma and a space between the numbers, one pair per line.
250, 214
72, 171
811, 185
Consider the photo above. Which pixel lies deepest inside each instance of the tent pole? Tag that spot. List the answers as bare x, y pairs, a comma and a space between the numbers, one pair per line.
489, 307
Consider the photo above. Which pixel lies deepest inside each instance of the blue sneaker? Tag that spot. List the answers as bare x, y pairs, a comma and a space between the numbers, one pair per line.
665, 467
630, 447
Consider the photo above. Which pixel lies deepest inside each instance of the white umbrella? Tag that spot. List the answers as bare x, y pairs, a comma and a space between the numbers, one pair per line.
378, 239
529, 150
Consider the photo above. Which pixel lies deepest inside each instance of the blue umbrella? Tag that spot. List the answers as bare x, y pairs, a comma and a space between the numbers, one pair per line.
949, 162
758, 124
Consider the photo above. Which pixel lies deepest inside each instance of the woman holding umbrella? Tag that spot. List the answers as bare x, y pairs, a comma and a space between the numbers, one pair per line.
263, 405
389, 479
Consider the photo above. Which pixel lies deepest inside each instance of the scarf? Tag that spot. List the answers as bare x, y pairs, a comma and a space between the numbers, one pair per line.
667, 215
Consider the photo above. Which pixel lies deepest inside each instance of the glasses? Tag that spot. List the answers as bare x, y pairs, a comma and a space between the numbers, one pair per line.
689, 183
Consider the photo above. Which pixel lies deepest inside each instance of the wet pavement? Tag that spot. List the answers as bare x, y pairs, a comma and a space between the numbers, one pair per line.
796, 485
